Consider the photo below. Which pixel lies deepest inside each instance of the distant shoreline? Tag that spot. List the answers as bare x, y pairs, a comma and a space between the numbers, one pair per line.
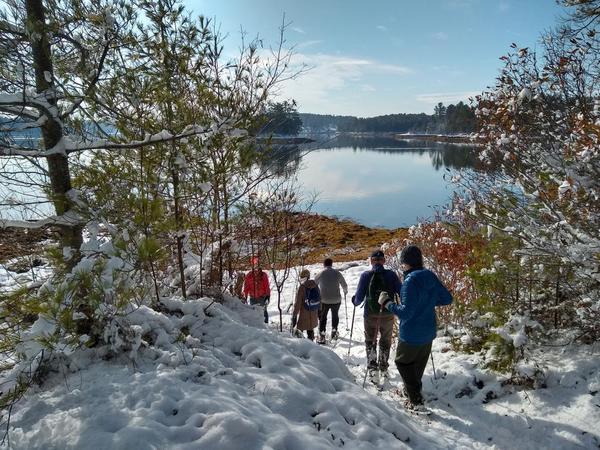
449, 138
444, 138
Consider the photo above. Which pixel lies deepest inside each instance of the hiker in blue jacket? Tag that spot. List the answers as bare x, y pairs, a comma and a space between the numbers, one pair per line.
421, 292
377, 319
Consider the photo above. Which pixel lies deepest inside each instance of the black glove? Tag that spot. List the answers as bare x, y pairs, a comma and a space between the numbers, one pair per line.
294, 321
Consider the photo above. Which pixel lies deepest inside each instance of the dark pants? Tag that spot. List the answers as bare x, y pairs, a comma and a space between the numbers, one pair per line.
310, 334
335, 319
411, 361
261, 302
386, 327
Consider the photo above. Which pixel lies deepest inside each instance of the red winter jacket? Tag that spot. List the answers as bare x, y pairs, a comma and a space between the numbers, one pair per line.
256, 286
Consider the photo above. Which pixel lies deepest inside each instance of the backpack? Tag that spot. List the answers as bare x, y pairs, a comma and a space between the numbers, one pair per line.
377, 285
312, 298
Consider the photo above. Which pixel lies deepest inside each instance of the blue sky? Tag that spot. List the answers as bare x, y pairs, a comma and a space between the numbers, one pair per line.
387, 56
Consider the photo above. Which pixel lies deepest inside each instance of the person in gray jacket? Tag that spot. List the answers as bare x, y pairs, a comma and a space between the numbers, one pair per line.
330, 280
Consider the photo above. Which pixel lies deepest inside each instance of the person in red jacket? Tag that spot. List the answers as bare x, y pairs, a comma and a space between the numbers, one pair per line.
256, 286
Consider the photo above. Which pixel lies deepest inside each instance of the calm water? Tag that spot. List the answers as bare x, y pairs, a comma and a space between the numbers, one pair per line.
375, 181
381, 181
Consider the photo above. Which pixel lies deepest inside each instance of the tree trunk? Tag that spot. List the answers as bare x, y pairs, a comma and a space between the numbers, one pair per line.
52, 131
179, 230
280, 309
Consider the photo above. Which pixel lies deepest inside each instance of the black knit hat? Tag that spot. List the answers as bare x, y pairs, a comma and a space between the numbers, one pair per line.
412, 256
377, 254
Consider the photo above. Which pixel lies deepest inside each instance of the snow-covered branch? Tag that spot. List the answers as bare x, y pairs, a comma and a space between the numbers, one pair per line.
68, 219
67, 146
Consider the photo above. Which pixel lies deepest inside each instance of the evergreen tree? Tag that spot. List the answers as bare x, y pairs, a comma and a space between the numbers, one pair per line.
282, 118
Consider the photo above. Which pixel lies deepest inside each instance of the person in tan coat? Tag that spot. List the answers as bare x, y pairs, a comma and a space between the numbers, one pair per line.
305, 319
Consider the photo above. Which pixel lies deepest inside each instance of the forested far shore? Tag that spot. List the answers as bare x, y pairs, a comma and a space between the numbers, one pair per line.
451, 119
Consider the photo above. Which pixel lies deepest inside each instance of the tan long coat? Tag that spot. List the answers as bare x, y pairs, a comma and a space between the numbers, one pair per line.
307, 320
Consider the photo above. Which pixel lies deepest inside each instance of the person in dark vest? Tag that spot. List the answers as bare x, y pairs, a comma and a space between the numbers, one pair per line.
378, 321
330, 280
421, 292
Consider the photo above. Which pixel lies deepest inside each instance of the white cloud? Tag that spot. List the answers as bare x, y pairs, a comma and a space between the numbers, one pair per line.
298, 30
440, 36
392, 68
382, 28
319, 89
335, 83
351, 62
306, 44
446, 97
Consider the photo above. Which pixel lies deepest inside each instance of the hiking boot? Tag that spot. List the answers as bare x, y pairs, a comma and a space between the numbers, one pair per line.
334, 335
321, 339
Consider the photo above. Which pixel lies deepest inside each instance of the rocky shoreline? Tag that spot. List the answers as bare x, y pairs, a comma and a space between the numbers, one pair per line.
338, 238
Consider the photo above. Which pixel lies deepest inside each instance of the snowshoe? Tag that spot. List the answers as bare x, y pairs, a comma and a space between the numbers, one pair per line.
374, 376
384, 380
334, 335
400, 392
416, 408
321, 340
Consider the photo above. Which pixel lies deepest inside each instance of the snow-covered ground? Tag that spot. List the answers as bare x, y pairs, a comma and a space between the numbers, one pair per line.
564, 415
238, 384
11, 280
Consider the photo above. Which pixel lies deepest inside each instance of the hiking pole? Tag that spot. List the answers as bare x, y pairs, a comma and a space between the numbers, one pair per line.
374, 343
433, 365
431, 354
351, 330
346, 307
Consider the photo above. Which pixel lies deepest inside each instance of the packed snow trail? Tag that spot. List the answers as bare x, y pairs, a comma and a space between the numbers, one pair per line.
471, 409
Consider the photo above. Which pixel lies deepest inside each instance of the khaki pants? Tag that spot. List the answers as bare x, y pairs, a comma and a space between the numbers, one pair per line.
386, 327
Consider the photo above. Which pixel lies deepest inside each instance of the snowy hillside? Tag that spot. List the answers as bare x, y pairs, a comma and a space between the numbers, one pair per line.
235, 383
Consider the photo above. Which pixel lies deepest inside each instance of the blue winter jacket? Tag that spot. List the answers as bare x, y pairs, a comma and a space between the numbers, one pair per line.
421, 292
391, 280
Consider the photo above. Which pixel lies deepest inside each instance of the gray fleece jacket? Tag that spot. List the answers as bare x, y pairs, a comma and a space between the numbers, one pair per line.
329, 281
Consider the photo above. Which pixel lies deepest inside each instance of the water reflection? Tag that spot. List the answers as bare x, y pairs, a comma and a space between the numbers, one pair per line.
380, 181
442, 155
